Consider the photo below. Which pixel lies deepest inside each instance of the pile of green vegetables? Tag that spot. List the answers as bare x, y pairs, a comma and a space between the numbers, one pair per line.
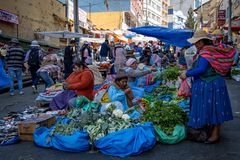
96, 124
235, 71
163, 90
170, 74
165, 116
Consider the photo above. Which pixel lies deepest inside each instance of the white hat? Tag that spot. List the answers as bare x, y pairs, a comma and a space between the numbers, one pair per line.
198, 35
34, 44
130, 61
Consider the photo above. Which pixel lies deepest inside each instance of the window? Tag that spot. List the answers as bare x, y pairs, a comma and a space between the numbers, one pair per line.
149, 2
170, 11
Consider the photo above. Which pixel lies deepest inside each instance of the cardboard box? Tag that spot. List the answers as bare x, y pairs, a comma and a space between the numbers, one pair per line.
27, 127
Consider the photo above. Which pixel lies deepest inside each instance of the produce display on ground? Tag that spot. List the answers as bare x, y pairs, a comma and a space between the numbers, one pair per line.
165, 115
161, 115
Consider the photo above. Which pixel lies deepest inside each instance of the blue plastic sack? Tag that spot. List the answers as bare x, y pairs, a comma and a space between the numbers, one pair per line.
185, 105
150, 88
138, 92
14, 140
166, 97
135, 115
41, 137
78, 142
132, 141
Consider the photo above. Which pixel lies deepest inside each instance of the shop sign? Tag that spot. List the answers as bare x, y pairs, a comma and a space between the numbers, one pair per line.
221, 17
8, 17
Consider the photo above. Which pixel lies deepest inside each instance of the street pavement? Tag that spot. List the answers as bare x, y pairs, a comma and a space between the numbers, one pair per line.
227, 149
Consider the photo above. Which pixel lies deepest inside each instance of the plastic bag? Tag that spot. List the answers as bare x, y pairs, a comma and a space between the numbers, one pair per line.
189, 54
81, 101
184, 89
132, 141
13, 140
78, 142
179, 133
41, 137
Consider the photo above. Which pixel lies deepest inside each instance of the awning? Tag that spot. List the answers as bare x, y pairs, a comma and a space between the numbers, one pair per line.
121, 39
62, 34
93, 40
175, 37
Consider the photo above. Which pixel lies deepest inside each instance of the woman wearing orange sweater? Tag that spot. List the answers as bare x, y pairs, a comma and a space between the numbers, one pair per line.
81, 81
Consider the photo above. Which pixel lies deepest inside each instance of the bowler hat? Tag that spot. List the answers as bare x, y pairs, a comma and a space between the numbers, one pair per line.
197, 36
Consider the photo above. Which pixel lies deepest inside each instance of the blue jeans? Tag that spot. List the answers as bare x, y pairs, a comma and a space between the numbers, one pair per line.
46, 78
12, 72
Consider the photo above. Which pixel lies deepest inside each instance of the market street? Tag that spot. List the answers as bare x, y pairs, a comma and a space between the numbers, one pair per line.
228, 148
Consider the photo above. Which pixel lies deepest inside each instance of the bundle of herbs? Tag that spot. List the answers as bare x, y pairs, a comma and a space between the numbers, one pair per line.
165, 116
170, 74
164, 90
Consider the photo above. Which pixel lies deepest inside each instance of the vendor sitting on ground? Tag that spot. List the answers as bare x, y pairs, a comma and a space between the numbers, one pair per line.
144, 64
119, 91
133, 73
81, 81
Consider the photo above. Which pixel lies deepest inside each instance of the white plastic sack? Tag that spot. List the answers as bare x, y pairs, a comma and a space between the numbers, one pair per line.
189, 54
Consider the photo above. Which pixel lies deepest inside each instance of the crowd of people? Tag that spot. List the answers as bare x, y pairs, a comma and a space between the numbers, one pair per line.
210, 103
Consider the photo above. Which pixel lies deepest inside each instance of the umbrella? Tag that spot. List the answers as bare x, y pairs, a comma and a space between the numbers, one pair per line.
176, 37
62, 34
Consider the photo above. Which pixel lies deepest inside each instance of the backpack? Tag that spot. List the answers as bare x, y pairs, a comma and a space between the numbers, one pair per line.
33, 59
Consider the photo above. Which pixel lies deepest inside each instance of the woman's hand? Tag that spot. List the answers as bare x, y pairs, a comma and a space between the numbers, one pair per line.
183, 75
65, 86
153, 70
128, 90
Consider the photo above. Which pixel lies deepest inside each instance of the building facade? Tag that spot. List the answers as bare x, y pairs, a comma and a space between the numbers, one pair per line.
156, 12
182, 5
23, 18
119, 20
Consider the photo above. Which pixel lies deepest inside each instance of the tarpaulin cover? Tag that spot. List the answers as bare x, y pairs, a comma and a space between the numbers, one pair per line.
4, 80
132, 141
41, 137
13, 140
78, 142
179, 134
176, 37
150, 88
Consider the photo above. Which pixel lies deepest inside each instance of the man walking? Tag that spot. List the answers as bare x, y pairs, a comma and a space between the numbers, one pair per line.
33, 61
15, 60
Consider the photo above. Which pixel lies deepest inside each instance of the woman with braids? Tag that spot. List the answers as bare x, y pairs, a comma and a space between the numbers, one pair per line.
210, 103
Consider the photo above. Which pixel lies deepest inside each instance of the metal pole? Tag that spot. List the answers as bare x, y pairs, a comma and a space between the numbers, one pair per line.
76, 27
67, 16
76, 19
230, 21
146, 13
90, 10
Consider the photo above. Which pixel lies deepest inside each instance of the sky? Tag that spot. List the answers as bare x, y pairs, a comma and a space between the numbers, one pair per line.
99, 6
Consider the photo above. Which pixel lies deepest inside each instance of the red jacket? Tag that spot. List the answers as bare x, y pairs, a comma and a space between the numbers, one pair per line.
82, 83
